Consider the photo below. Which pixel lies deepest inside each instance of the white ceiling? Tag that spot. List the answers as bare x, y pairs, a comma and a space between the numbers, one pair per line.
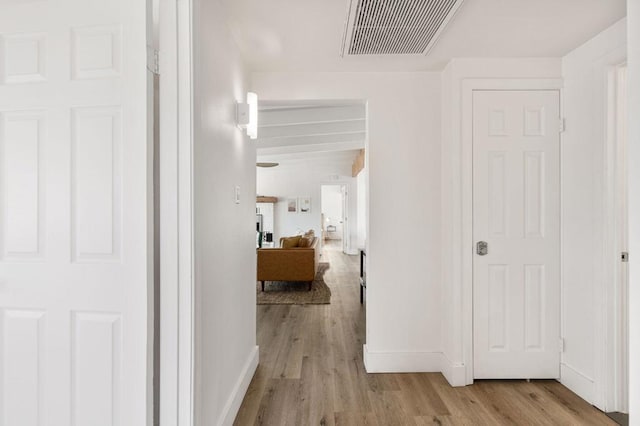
296, 132
306, 35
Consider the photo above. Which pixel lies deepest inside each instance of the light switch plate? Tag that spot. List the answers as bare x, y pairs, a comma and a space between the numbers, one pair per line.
237, 194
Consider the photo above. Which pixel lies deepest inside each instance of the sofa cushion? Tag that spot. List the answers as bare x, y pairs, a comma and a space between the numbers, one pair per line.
291, 242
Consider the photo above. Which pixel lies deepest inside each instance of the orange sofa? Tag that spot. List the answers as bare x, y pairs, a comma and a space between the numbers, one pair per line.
289, 264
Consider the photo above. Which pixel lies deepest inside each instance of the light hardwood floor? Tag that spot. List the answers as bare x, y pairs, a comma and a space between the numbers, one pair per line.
311, 373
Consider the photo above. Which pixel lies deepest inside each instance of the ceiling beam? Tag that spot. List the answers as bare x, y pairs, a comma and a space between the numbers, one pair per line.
313, 140
344, 146
293, 116
311, 129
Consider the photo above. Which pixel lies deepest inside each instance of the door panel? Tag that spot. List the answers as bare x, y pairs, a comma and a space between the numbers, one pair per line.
74, 215
516, 173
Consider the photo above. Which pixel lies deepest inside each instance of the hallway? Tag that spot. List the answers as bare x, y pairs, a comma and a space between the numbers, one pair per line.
311, 373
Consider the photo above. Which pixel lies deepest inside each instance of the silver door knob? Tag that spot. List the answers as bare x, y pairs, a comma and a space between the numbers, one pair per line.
482, 248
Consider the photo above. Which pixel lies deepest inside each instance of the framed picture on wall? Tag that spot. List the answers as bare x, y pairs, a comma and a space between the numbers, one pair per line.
304, 203
292, 205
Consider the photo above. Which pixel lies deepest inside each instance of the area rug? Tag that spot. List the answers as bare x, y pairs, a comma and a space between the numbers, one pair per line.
295, 293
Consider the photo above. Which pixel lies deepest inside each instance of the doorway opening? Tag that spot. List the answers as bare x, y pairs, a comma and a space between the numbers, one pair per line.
333, 202
316, 182
310, 182
302, 146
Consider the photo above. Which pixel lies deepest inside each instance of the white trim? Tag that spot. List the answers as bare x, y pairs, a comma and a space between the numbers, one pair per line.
464, 246
579, 383
414, 362
633, 179
604, 273
611, 389
230, 410
176, 218
454, 372
402, 362
185, 219
597, 64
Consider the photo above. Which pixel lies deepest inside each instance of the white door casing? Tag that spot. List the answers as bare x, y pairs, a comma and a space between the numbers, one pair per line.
75, 256
176, 218
516, 210
621, 240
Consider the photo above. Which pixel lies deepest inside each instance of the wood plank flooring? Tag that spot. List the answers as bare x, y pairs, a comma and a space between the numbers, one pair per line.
311, 373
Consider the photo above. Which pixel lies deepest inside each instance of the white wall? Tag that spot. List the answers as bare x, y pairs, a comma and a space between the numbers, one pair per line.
331, 196
455, 243
633, 35
403, 160
584, 211
225, 259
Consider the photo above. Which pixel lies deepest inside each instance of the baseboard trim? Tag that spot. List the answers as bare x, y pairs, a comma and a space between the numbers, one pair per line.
577, 382
415, 362
232, 406
402, 362
455, 373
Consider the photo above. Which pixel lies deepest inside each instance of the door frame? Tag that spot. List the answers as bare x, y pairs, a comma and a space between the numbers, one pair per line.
613, 391
633, 155
346, 184
176, 213
464, 245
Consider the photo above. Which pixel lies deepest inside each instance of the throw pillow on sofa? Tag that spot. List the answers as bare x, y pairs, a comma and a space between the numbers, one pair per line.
291, 242
305, 242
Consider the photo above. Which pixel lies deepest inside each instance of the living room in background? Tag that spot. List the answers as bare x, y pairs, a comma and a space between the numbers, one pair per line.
307, 152
313, 143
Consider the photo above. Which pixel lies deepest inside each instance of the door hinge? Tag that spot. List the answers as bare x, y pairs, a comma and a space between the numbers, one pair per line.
625, 256
153, 60
561, 346
562, 126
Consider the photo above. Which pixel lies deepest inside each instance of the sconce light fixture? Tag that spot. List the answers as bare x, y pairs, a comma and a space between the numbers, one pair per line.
247, 115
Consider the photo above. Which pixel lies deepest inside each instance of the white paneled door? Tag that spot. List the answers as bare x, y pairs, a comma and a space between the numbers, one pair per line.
516, 229
74, 213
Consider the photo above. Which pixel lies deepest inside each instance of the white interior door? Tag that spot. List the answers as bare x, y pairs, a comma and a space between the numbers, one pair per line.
74, 213
344, 219
516, 210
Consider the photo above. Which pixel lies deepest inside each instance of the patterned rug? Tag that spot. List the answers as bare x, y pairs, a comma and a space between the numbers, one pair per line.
295, 293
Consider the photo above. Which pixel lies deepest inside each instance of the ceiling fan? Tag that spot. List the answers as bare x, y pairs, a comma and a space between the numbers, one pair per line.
260, 164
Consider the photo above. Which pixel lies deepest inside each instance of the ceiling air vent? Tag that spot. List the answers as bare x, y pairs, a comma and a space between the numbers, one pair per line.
396, 27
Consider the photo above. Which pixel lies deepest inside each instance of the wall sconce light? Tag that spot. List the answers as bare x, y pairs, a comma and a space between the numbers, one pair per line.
247, 115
